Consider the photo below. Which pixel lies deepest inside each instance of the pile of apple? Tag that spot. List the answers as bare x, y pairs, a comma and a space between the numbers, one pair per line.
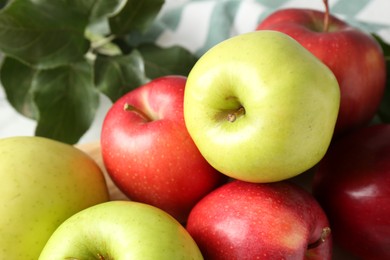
209, 162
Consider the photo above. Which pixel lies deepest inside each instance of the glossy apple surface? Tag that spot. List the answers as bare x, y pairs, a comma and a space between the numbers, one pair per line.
353, 55
352, 183
260, 107
43, 182
243, 220
121, 230
148, 152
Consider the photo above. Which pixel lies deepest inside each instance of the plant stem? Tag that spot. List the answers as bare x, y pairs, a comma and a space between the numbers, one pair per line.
128, 107
231, 117
326, 16
102, 42
324, 235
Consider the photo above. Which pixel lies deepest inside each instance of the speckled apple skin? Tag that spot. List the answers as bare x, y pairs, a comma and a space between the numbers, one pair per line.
353, 55
43, 182
242, 220
121, 230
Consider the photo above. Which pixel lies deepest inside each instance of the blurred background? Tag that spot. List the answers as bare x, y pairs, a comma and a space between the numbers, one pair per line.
198, 25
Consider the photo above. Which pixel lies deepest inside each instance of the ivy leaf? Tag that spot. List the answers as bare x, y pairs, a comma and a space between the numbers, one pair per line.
384, 108
16, 78
43, 33
135, 15
166, 61
117, 75
67, 101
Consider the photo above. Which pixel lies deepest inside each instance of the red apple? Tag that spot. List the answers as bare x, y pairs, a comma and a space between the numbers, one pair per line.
353, 55
278, 220
352, 183
148, 152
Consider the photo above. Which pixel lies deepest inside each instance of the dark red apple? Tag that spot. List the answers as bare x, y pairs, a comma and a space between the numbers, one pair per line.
353, 55
242, 220
352, 183
148, 152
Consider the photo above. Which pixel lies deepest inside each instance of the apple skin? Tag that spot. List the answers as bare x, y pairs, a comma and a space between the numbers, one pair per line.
43, 182
121, 230
290, 99
352, 183
353, 55
242, 220
148, 152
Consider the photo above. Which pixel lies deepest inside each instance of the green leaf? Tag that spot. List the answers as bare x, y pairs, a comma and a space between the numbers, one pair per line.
63, 100
166, 61
103, 8
16, 79
43, 33
44, 47
3, 3
136, 15
76, 7
117, 75
384, 108
67, 101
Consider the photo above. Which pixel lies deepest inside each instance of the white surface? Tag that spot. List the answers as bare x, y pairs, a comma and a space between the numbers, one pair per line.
14, 124
191, 39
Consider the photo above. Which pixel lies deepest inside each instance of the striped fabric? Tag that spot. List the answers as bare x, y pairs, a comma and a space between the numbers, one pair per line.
200, 24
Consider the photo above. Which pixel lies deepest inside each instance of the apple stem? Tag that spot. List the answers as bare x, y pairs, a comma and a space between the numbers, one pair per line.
128, 107
101, 257
326, 16
231, 117
324, 235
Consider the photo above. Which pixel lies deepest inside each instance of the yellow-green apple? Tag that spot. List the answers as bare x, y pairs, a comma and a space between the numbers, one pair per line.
242, 220
43, 182
352, 183
148, 152
260, 107
121, 230
353, 55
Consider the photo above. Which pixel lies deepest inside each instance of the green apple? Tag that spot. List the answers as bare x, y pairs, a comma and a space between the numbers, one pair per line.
43, 182
260, 107
121, 230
